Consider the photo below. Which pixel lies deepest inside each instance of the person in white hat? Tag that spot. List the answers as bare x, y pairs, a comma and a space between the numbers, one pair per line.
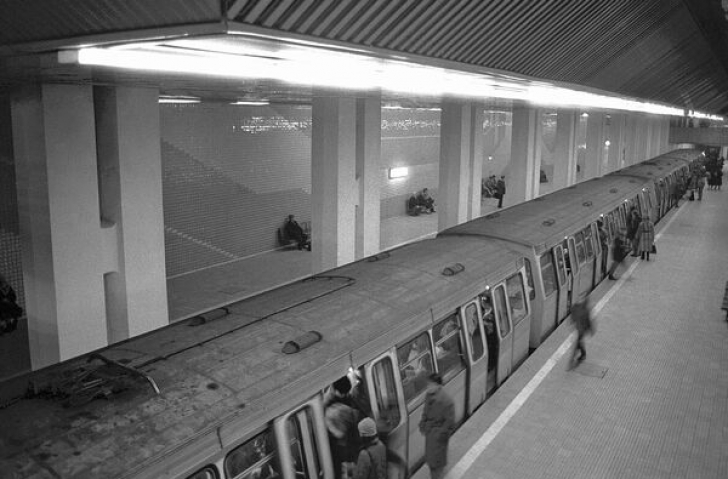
372, 460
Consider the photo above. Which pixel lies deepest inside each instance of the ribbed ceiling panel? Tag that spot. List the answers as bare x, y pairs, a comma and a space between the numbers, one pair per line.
23, 21
623, 46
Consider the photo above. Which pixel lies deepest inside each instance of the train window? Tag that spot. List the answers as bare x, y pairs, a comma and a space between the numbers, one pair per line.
415, 365
256, 459
470, 317
501, 313
529, 280
448, 347
548, 274
560, 264
516, 298
386, 395
588, 242
208, 472
580, 253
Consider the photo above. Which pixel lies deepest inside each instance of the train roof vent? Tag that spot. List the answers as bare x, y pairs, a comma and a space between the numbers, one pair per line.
548, 222
613, 190
453, 269
633, 181
649, 173
587, 204
660, 168
302, 342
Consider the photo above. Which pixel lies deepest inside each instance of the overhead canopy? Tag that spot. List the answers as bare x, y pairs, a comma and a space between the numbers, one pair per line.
668, 51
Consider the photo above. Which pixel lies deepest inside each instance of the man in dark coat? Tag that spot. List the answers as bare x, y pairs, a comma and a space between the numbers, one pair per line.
9, 309
582, 323
295, 232
618, 253
437, 424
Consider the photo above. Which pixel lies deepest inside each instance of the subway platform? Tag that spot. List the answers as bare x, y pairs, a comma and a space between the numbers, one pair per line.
651, 398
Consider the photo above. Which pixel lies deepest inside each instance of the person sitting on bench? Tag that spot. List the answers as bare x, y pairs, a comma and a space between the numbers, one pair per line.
294, 232
413, 208
426, 201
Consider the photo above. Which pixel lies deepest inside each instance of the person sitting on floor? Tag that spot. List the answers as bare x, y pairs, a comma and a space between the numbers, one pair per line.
294, 231
426, 201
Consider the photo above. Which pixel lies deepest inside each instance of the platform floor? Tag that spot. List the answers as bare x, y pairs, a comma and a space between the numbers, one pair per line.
651, 399
196, 292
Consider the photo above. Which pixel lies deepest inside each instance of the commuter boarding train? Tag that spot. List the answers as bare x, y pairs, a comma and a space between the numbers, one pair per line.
243, 396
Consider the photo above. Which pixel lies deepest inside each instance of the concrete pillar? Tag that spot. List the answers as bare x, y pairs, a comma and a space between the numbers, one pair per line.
63, 243
617, 142
565, 149
368, 153
130, 176
525, 165
461, 147
594, 145
477, 139
334, 193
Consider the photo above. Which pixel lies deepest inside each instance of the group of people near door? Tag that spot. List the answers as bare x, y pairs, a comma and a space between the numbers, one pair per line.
357, 451
638, 238
420, 203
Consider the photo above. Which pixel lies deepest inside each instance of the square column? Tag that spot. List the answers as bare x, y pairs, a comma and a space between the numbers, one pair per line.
334, 192
130, 175
368, 153
460, 150
525, 165
616, 137
565, 149
58, 193
595, 153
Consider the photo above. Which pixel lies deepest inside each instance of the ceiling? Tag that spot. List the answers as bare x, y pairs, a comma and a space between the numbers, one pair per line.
667, 51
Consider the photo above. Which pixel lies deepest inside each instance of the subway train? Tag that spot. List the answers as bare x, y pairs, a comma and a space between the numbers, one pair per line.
245, 395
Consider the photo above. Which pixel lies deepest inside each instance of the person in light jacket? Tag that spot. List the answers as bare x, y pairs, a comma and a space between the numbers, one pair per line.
646, 233
437, 424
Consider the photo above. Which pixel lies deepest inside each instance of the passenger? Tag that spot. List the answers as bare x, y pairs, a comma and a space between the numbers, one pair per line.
580, 316
501, 190
372, 460
294, 231
426, 201
10, 312
413, 209
646, 237
700, 184
341, 419
619, 252
437, 424
633, 223
674, 193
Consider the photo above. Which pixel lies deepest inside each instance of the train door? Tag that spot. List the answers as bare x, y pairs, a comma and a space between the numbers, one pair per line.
491, 338
550, 309
592, 267
450, 361
573, 269
476, 354
416, 363
520, 315
585, 270
562, 276
387, 403
504, 328
302, 442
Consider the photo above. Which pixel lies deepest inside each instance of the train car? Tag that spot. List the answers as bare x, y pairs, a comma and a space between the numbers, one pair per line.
249, 395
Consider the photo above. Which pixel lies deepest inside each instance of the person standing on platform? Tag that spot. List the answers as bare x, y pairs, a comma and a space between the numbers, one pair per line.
633, 223
646, 234
372, 460
501, 190
437, 424
700, 184
604, 242
581, 318
619, 252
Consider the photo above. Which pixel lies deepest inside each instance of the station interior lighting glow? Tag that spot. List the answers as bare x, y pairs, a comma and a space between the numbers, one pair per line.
236, 56
398, 172
178, 99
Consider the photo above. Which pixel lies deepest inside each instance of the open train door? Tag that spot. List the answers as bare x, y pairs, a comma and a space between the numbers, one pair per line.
387, 405
504, 328
563, 283
477, 359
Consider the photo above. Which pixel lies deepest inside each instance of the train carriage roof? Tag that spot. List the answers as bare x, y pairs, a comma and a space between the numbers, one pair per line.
659, 167
545, 221
222, 378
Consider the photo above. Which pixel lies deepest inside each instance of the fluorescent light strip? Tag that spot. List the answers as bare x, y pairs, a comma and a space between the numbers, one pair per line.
178, 99
308, 66
251, 102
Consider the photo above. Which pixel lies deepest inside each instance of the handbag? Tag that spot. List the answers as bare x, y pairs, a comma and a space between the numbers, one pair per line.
654, 249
